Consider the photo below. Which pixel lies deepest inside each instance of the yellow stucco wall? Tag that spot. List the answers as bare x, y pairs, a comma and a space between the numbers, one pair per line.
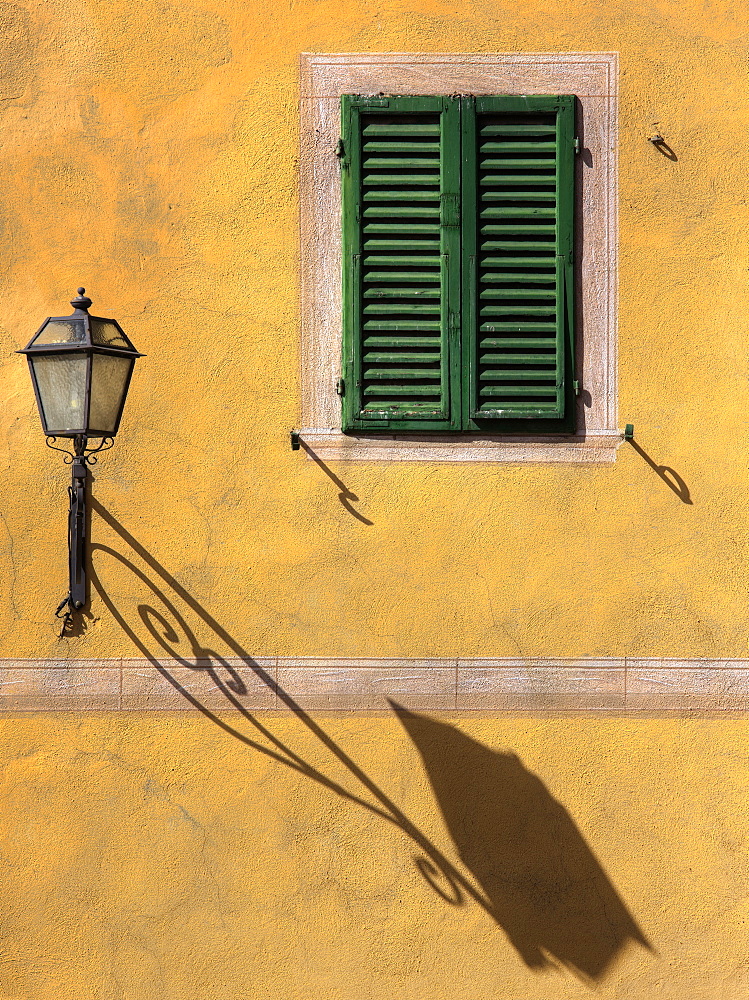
169, 859
149, 150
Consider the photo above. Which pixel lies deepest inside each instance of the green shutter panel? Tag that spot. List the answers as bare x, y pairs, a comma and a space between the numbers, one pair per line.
401, 263
518, 289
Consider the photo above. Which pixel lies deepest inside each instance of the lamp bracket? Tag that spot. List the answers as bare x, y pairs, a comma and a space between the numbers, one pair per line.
67, 617
81, 451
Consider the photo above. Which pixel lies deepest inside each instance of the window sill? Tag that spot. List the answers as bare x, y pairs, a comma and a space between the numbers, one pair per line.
590, 448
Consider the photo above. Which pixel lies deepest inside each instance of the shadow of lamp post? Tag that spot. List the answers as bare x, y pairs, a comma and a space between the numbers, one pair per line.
80, 366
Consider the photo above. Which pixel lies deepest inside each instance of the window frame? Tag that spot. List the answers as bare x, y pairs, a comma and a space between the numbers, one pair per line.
593, 78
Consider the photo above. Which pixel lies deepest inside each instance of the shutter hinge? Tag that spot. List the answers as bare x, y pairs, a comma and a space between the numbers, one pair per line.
576, 387
340, 387
577, 144
450, 213
340, 150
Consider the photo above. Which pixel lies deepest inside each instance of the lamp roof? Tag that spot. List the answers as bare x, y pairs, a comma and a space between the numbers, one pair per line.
80, 331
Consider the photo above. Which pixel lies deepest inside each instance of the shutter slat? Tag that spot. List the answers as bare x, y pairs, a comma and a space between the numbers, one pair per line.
544, 163
489, 278
402, 390
517, 342
515, 129
540, 326
422, 180
543, 177
512, 196
417, 343
521, 375
401, 374
406, 322
507, 229
419, 245
397, 131
406, 260
394, 196
514, 213
518, 390
401, 293
515, 292
545, 262
403, 228
372, 357
407, 211
517, 245
424, 163
401, 147
524, 310
382, 277
515, 146
516, 359
415, 308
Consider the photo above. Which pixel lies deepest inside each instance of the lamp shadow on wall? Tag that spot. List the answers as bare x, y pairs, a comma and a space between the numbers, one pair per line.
536, 877
544, 885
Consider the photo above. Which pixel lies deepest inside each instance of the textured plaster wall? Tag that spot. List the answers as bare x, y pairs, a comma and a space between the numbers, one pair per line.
171, 861
150, 152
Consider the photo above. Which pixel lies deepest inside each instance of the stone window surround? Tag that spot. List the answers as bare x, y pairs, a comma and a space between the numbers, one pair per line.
593, 78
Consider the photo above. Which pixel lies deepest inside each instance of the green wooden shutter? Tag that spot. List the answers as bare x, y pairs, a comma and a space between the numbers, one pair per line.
401, 263
518, 350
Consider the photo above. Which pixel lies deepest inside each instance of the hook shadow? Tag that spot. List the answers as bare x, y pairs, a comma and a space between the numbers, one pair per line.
345, 493
663, 147
670, 476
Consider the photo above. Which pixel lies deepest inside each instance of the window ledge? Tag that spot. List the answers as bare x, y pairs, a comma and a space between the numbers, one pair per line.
599, 447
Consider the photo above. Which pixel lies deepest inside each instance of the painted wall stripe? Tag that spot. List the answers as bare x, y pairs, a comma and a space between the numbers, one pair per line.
318, 683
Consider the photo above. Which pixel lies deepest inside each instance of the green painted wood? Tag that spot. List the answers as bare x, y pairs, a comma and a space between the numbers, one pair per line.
401, 296
517, 325
458, 263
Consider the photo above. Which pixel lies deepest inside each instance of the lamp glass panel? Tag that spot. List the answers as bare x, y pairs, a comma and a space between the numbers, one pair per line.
61, 382
61, 331
109, 379
106, 334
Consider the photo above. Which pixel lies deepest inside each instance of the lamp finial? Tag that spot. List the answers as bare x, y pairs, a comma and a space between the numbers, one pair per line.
81, 301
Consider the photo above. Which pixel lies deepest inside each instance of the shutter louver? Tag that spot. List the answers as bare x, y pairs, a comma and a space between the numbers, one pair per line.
399, 328
518, 312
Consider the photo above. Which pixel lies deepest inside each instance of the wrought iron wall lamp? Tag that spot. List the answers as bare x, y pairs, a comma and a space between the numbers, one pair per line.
81, 367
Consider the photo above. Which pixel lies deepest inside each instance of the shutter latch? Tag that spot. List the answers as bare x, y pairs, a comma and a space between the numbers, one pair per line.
340, 151
340, 387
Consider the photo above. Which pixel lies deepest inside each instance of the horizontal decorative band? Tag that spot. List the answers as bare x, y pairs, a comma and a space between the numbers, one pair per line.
318, 684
